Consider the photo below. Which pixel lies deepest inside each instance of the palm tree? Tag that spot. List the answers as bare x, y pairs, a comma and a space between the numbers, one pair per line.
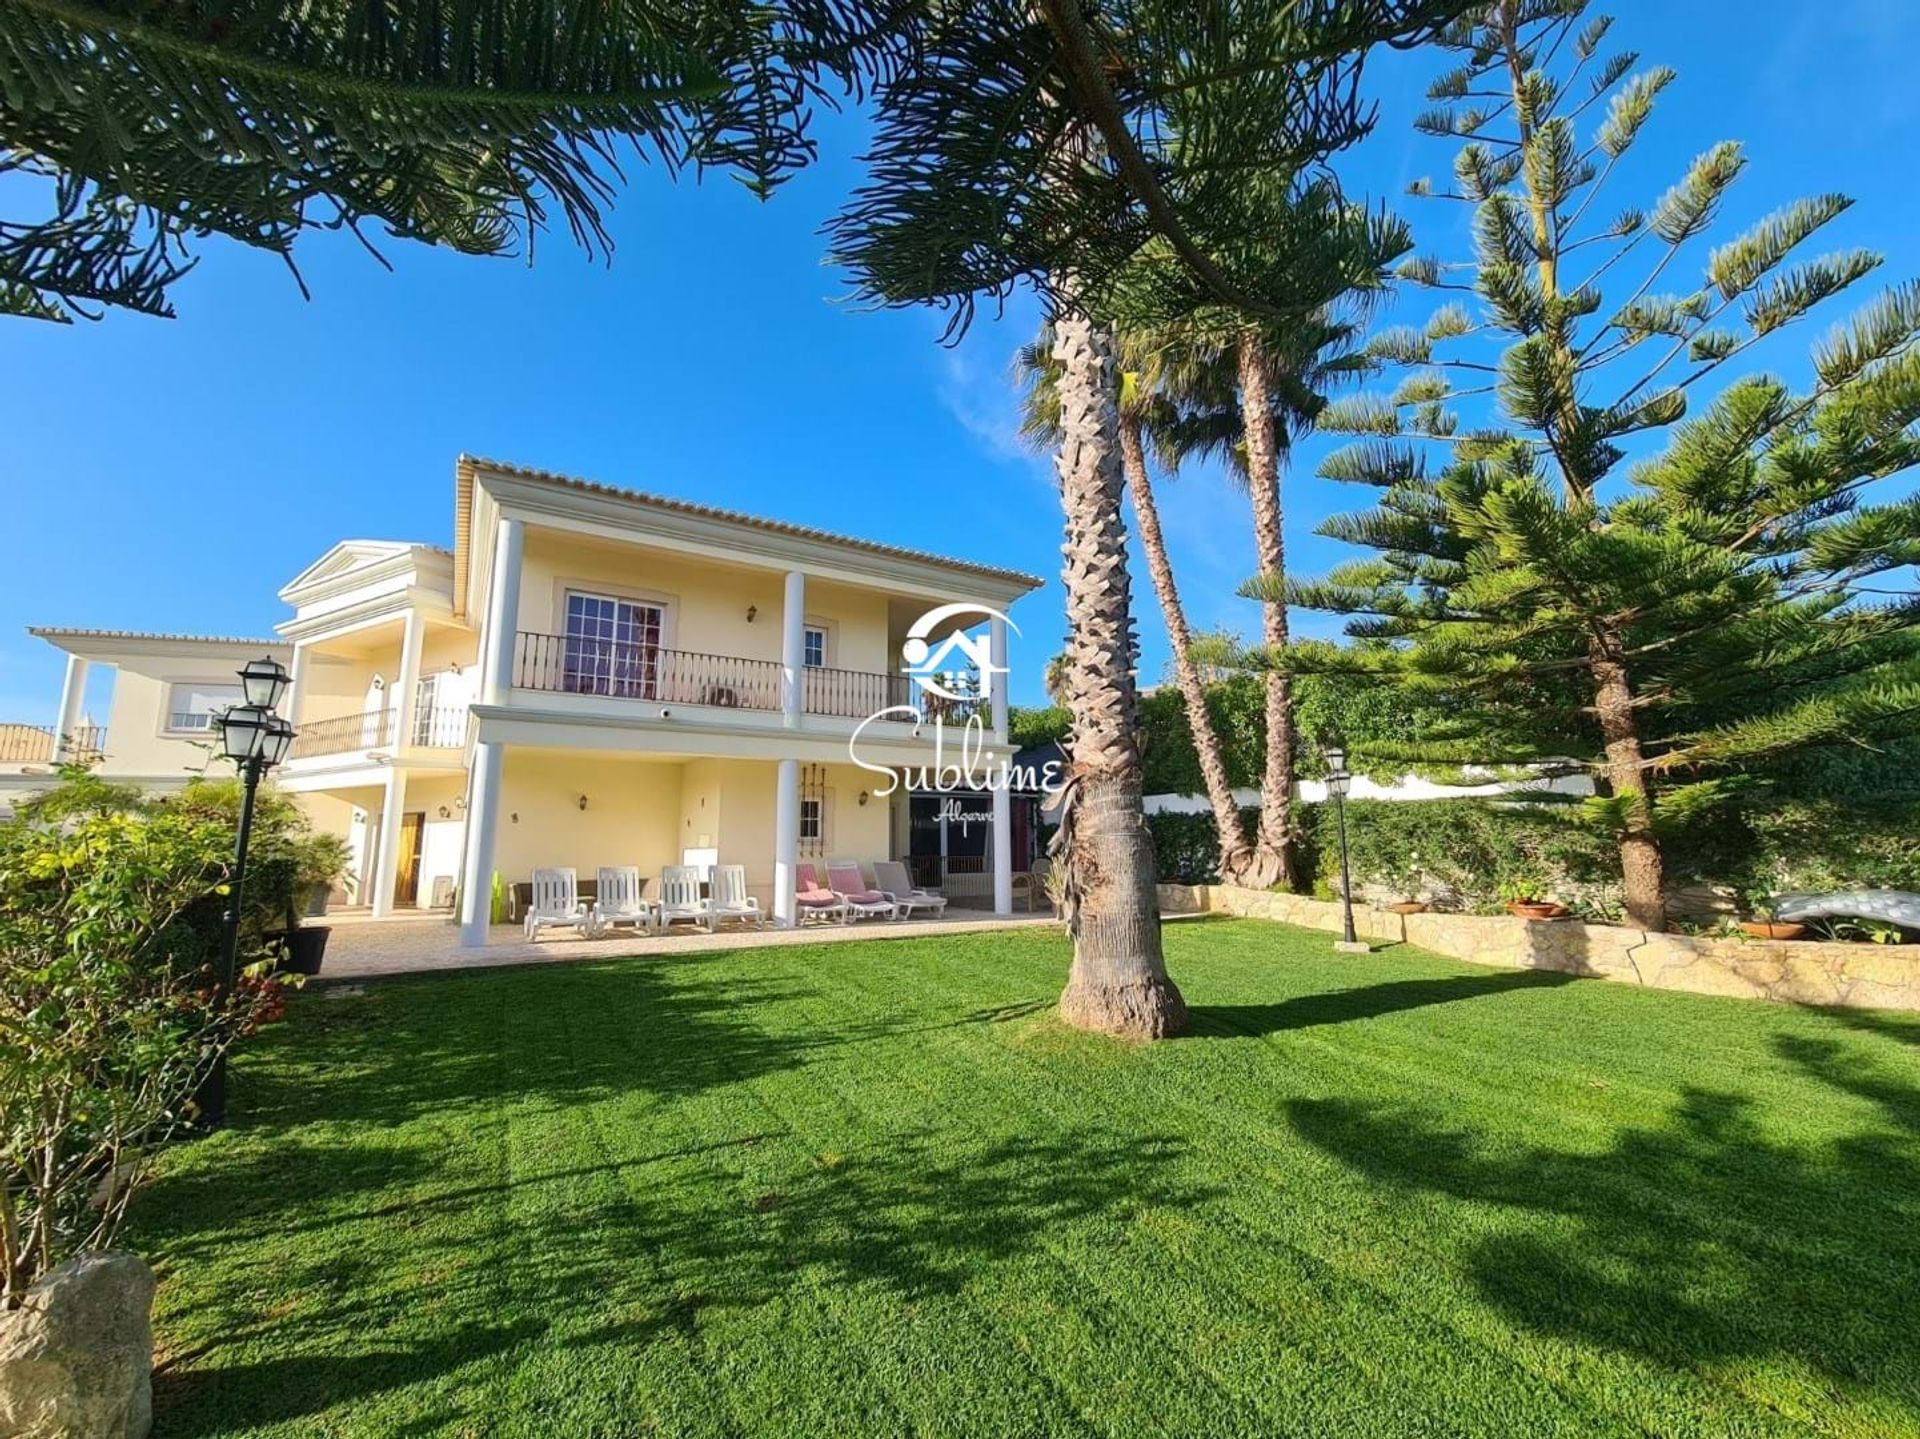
1104, 855
1145, 414
462, 125
1247, 392
1049, 142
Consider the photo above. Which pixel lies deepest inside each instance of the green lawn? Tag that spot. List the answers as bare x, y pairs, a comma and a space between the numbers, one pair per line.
877, 1189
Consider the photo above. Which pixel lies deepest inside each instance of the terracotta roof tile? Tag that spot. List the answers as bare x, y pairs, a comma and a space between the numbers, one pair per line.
782, 527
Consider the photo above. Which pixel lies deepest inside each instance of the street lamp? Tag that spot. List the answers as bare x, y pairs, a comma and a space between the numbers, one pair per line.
256, 739
1338, 783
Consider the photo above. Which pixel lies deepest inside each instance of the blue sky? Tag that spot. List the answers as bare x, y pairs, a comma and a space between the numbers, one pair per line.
173, 475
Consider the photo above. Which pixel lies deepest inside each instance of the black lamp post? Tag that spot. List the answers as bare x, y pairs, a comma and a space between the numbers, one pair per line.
256, 739
1338, 783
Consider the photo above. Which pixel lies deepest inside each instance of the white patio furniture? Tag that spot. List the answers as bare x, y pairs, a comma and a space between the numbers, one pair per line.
730, 899
619, 899
890, 876
680, 901
556, 904
862, 900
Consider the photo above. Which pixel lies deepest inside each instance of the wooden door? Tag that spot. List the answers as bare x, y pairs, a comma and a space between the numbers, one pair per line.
406, 881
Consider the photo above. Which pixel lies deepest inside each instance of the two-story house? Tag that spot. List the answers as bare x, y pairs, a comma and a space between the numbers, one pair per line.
162, 694
594, 676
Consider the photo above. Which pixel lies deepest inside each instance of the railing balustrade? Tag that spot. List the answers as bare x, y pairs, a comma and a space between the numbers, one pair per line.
439, 726
623, 669
568, 664
343, 734
852, 694
33, 744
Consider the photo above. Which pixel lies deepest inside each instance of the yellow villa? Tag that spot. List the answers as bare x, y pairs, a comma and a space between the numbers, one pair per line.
590, 676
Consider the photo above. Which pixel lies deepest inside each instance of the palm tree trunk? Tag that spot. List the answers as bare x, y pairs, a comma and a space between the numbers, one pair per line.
1118, 984
1206, 741
1272, 860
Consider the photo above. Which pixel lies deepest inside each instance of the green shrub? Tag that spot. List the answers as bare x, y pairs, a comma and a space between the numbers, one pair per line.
108, 1018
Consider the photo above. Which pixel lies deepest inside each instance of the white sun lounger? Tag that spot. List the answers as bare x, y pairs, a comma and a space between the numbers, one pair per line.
557, 904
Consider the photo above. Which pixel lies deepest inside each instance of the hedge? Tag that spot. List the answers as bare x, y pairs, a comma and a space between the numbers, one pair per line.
1468, 850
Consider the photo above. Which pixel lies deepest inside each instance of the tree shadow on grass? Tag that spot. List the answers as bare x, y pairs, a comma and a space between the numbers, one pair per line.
1703, 1241
339, 1247
1369, 1001
198, 1401
648, 1268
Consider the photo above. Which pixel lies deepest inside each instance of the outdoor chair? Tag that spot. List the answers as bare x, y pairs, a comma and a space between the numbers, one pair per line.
862, 901
814, 902
891, 877
621, 900
556, 904
680, 898
1033, 885
730, 898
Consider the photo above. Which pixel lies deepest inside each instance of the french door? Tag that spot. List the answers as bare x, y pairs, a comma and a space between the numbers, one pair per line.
613, 646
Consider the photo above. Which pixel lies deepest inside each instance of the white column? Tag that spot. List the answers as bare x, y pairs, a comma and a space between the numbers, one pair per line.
793, 650
411, 643
503, 613
786, 841
1002, 851
386, 853
297, 685
999, 681
73, 701
483, 814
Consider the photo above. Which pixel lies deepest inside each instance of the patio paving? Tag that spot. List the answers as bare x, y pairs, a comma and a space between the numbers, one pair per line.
364, 948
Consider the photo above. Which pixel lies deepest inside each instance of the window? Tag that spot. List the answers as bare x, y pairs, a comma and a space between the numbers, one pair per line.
192, 707
812, 821
612, 646
813, 648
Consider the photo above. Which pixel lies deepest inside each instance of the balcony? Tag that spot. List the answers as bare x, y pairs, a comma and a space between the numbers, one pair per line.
33, 744
434, 727
567, 664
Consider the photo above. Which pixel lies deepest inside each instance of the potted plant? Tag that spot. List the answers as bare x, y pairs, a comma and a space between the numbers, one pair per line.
1525, 896
1764, 926
1403, 875
312, 862
286, 861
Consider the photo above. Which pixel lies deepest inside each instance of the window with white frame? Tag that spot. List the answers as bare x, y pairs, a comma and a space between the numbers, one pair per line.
613, 646
813, 647
812, 821
193, 706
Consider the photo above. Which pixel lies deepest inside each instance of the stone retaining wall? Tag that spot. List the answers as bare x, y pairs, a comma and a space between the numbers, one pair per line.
1860, 976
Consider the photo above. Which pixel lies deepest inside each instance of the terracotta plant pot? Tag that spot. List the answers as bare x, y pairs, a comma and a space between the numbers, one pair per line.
1772, 929
1536, 909
1407, 906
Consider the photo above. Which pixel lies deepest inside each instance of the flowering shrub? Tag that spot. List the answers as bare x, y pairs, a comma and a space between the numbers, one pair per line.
109, 1018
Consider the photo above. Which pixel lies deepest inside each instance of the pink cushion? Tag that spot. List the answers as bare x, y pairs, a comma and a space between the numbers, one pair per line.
848, 881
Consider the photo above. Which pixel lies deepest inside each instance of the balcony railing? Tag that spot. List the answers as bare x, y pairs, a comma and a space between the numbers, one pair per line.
439, 726
565, 664
343, 734
852, 694
33, 744
434, 727
620, 669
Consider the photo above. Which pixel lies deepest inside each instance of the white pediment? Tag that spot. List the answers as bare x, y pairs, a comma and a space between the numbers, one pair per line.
345, 559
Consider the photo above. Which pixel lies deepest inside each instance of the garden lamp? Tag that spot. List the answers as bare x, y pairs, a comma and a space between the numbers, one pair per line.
1339, 781
264, 682
256, 739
